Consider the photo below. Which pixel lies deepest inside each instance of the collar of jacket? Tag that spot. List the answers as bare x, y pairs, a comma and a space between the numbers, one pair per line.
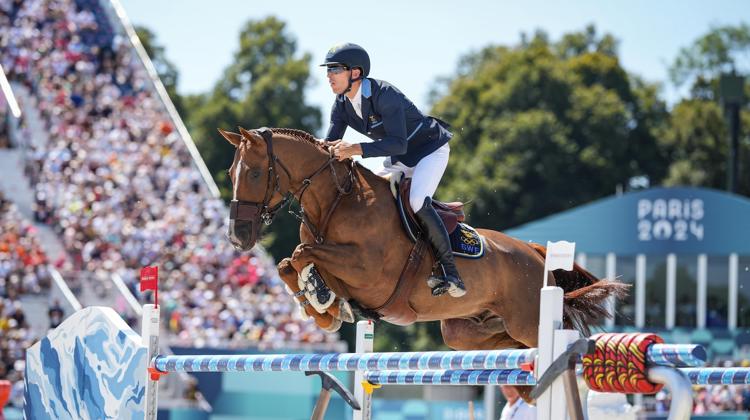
366, 87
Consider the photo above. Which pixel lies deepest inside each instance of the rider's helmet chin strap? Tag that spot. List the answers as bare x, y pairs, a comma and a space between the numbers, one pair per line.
352, 80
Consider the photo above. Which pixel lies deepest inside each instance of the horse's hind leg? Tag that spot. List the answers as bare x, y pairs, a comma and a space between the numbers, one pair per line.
470, 334
289, 275
481, 334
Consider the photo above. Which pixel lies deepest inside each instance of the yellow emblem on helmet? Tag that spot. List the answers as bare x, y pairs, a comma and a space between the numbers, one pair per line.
336, 48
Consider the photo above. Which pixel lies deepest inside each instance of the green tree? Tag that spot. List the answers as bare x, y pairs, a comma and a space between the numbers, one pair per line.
264, 86
697, 136
542, 127
166, 70
722, 49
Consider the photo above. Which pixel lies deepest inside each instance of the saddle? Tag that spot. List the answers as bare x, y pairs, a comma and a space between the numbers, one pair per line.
451, 213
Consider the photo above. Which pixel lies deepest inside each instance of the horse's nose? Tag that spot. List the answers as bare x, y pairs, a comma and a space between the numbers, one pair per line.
234, 241
239, 234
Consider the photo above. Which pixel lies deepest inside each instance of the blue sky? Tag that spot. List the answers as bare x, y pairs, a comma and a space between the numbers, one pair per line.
412, 43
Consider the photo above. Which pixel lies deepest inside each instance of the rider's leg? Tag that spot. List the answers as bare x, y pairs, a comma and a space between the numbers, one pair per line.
388, 169
425, 180
426, 176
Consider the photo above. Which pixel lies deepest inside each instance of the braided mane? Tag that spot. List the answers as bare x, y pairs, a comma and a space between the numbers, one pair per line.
297, 134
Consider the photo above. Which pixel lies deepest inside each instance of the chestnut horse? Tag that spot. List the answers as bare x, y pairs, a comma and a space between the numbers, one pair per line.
354, 237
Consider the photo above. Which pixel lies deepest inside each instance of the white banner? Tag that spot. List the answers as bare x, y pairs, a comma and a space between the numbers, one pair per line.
560, 255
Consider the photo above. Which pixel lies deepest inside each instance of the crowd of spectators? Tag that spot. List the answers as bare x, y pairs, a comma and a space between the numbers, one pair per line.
22, 270
120, 187
15, 337
709, 399
23, 264
721, 399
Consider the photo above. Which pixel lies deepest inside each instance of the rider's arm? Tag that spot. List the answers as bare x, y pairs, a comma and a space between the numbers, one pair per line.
338, 124
394, 143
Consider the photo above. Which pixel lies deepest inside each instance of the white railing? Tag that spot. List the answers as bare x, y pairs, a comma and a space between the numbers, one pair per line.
125, 292
59, 284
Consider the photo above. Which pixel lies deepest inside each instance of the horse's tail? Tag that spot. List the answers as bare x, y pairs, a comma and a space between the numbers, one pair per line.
585, 295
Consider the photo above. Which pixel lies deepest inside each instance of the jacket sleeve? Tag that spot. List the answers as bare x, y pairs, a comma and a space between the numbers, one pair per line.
338, 124
394, 122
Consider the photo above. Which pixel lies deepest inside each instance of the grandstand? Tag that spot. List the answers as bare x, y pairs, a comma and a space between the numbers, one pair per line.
100, 179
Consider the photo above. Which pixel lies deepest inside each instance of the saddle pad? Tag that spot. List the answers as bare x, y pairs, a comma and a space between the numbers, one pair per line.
466, 242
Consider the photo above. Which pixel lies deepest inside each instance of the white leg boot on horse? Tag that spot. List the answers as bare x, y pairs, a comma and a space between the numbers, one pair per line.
289, 276
306, 259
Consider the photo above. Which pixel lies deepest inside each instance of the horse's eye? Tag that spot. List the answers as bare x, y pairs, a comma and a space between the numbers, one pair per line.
254, 174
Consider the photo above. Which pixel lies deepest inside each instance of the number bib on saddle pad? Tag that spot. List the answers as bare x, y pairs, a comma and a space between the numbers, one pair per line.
466, 242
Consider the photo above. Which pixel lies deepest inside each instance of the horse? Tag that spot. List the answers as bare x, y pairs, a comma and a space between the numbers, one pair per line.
352, 235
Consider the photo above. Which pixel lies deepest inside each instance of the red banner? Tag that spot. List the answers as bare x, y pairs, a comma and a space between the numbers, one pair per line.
149, 278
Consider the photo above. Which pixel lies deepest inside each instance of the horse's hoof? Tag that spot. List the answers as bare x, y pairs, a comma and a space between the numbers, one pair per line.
345, 311
303, 313
334, 326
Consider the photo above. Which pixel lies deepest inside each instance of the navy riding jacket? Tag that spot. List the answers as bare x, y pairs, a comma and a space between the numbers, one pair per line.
399, 129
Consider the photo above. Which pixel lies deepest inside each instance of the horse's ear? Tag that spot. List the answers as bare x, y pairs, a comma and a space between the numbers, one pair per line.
233, 138
253, 138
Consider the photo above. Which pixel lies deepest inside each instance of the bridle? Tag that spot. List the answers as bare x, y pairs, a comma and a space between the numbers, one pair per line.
255, 212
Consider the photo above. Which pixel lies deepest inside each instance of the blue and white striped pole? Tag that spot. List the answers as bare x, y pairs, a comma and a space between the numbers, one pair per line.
451, 377
718, 376
333, 362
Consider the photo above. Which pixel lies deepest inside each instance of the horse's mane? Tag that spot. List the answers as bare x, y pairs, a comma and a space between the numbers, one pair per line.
304, 136
298, 135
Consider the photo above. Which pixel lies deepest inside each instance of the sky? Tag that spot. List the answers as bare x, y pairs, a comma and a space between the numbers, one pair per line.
412, 43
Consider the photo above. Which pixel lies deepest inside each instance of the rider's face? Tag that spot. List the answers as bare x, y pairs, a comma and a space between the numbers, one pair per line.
338, 78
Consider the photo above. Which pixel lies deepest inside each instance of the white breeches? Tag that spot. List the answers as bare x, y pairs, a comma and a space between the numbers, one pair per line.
425, 176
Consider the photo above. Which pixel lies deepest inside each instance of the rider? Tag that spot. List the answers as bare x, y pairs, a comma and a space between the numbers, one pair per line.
410, 141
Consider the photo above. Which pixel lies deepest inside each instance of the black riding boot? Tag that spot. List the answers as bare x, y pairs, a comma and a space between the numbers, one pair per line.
438, 238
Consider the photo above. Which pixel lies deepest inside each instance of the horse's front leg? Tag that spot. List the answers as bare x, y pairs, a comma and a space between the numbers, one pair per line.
290, 276
341, 261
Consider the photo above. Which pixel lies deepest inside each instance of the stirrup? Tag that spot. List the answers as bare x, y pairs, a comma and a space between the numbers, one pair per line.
437, 276
442, 284
454, 289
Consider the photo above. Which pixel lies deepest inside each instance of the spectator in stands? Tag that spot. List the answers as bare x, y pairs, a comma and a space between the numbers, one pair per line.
516, 408
745, 393
699, 402
4, 132
55, 314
